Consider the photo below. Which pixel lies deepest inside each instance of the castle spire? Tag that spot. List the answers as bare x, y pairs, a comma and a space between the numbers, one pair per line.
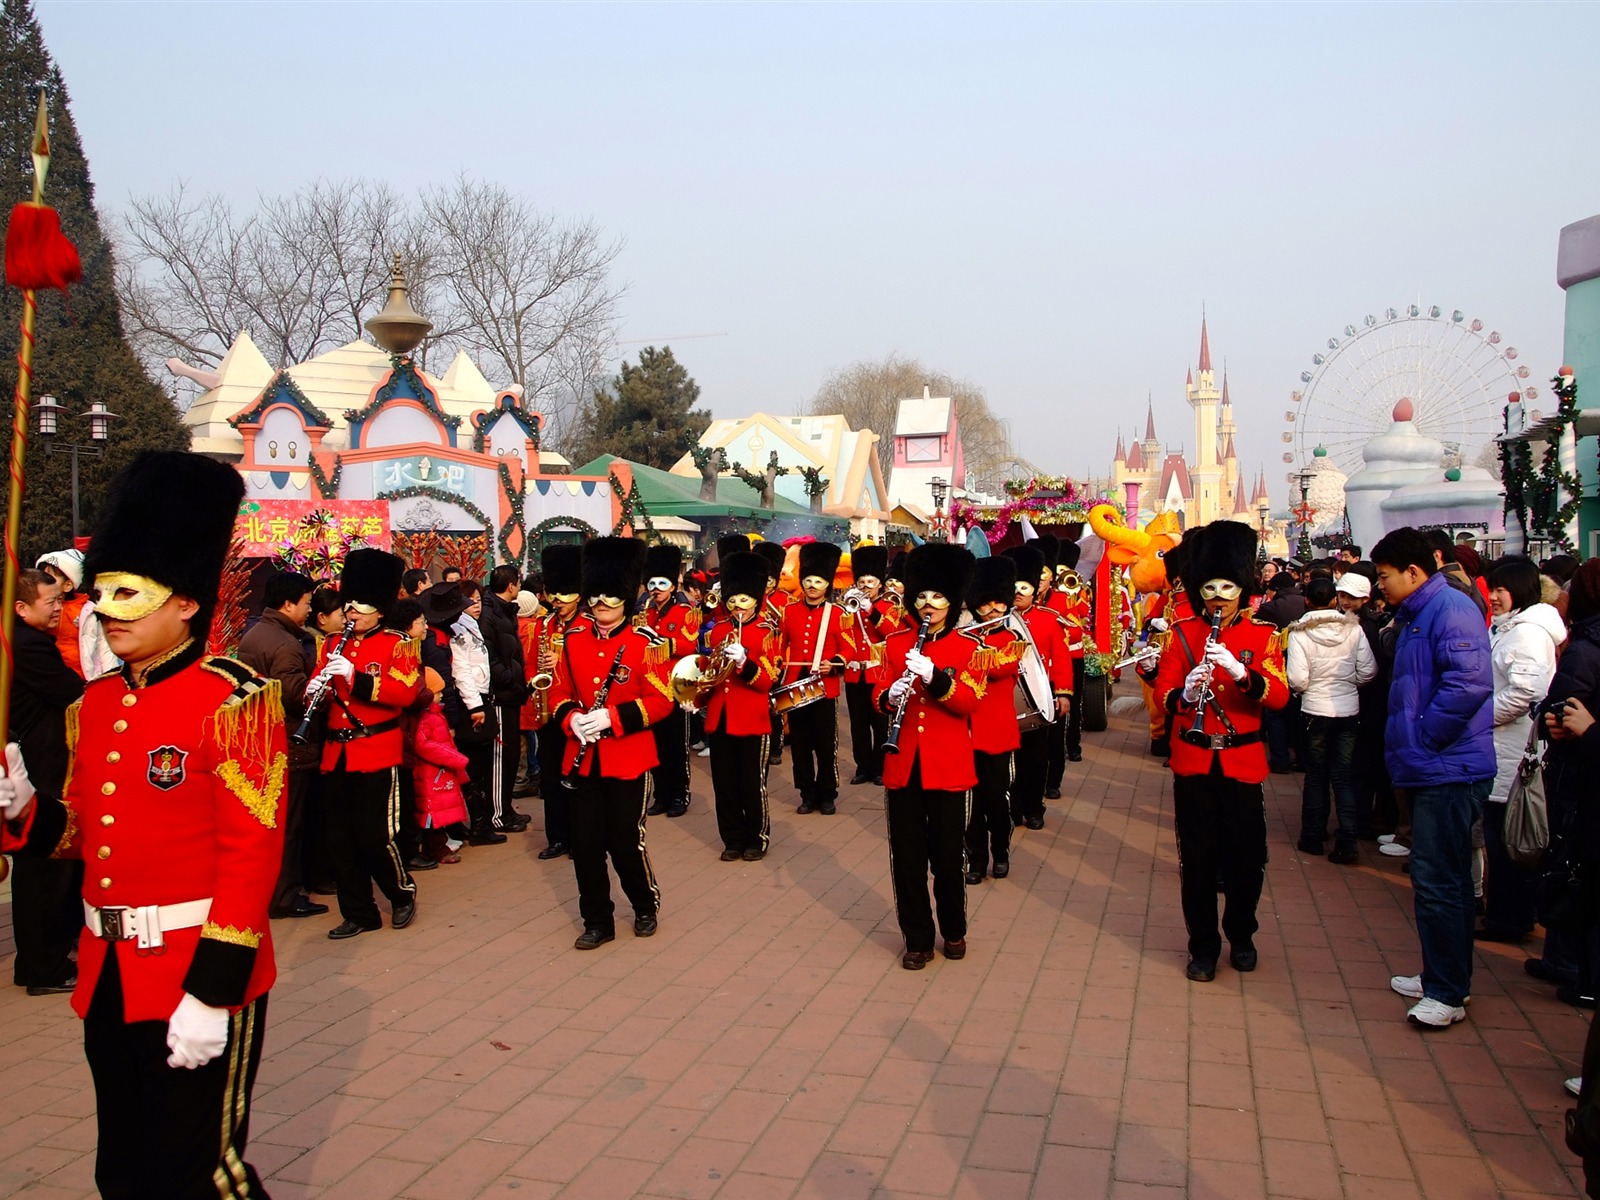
1225, 399
1122, 454
1149, 420
1205, 346
1227, 450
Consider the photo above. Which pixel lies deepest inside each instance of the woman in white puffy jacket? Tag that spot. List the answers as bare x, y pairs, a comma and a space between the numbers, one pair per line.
1328, 659
475, 734
1523, 638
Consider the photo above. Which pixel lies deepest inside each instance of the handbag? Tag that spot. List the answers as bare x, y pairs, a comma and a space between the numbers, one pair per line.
1527, 816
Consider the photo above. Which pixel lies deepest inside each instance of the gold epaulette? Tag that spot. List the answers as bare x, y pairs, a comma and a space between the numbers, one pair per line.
247, 727
983, 658
405, 664
657, 649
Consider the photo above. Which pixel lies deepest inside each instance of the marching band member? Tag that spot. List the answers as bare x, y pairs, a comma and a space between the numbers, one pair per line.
561, 568
867, 724
671, 619
927, 780
816, 642
1216, 691
1046, 628
995, 736
174, 801
894, 588
738, 718
611, 686
776, 602
1164, 611
1072, 597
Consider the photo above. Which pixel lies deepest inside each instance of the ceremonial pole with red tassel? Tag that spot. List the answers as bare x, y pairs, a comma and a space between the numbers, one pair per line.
37, 255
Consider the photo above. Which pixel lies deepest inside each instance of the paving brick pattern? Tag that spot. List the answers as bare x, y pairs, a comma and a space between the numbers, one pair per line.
767, 1044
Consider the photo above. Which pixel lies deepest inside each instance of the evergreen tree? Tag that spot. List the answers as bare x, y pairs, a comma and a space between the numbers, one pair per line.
80, 353
645, 414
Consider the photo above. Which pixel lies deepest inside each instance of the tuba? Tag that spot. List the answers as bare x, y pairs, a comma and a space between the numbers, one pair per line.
694, 675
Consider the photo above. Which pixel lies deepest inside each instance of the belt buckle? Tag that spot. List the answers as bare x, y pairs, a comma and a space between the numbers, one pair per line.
111, 928
1219, 741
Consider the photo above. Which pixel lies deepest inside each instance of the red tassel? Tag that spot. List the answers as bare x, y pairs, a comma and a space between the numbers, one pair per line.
38, 254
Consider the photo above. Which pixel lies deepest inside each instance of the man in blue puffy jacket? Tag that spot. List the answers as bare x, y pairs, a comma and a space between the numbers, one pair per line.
1439, 747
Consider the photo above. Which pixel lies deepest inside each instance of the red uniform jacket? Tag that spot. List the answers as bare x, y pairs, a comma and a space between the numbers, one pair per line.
866, 644
802, 625
994, 724
935, 729
675, 624
1048, 629
1076, 612
640, 696
387, 680
534, 633
1257, 645
173, 796
738, 705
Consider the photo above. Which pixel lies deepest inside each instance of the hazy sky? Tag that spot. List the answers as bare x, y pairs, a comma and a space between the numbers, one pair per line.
1039, 198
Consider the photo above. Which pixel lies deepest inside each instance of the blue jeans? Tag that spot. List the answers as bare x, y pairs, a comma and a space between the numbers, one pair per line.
1441, 883
531, 747
1330, 756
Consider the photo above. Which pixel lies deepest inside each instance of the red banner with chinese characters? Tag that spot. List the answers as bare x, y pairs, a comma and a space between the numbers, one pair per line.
269, 527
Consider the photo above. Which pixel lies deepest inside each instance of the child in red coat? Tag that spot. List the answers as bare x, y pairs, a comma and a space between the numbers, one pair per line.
439, 772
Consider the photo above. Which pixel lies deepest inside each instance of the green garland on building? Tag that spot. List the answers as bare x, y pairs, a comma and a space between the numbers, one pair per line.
536, 534
1558, 494
328, 486
633, 510
418, 492
516, 495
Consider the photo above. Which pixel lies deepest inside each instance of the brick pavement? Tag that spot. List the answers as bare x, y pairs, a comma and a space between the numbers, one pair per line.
767, 1044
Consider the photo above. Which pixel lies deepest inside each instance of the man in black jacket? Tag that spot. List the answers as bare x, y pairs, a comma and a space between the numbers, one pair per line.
46, 912
1282, 726
508, 685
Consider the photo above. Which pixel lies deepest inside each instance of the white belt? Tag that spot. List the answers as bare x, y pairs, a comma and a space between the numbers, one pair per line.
147, 924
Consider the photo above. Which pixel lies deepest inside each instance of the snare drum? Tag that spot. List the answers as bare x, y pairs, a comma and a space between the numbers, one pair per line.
799, 694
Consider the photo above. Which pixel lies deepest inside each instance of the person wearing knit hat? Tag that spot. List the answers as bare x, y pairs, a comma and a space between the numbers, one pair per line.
1048, 631
867, 725
671, 619
816, 641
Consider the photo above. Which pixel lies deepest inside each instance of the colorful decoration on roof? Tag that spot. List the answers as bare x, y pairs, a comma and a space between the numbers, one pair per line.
1043, 499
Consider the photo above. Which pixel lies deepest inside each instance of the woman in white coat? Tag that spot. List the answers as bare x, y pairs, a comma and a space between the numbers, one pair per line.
1523, 638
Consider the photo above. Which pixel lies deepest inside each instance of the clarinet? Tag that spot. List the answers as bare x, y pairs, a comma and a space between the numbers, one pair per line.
314, 700
891, 743
1196, 735
599, 703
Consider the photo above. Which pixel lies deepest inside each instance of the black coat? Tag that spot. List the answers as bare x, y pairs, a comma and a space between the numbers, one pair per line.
1286, 606
508, 680
43, 687
1570, 764
279, 649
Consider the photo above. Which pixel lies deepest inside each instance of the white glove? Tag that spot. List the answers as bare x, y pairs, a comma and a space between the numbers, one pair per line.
1218, 655
196, 1033
16, 789
920, 665
341, 666
1195, 681
582, 729
689, 708
736, 654
898, 690
1157, 624
599, 722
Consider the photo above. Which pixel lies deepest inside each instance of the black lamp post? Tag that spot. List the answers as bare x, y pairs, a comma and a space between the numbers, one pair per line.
1303, 548
940, 490
49, 411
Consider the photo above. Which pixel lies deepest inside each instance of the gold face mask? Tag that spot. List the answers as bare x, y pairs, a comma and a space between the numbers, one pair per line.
814, 582
932, 600
1220, 589
147, 595
357, 606
1024, 589
604, 602
741, 605
564, 597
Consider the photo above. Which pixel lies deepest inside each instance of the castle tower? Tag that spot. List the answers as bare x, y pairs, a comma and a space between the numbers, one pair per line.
1232, 487
1152, 445
1206, 476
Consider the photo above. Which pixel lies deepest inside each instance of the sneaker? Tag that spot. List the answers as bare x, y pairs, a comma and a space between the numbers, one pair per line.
1394, 850
1386, 839
703, 752
1409, 986
1435, 1014
1574, 1085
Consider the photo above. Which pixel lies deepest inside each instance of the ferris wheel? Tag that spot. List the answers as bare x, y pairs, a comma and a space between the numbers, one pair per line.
1456, 374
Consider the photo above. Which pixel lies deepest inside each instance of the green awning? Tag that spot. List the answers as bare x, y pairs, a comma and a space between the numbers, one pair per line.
679, 495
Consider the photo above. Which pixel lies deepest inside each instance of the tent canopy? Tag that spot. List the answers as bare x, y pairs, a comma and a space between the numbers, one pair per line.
667, 494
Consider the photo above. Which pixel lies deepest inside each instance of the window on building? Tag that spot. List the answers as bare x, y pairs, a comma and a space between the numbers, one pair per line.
922, 449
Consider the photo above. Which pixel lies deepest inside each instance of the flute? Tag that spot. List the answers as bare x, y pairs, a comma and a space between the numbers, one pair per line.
891, 742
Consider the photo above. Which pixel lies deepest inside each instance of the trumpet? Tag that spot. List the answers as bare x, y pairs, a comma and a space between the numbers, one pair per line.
855, 602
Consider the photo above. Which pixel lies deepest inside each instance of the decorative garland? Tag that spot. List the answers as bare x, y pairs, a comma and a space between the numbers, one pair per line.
1070, 508
420, 491
1558, 490
1517, 474
1045, 483
328, 486
282, 381
758, 483
404, 368
816, 482
701, 456
514, 521
536, 534
632, 511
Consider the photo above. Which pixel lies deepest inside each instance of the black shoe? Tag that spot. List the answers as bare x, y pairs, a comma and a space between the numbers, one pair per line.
806, 808
1486, 934
861, 777
915, 960
731, 855
305, 906
1568, 993
349, 929
593, 939
658, 809
877, 780
775, 761
1052, 793
1540, 969
645, 926
1312, 846
553, 850
1002, 869
826, 808
1034, 822
1160, 747
1201, 972
517, 822
974, 878
524, 788
678, 809
53, 989
483, 835
421, 862
1243, 958
1344, 856
403, 914
957, 950
1074, 755
752, 854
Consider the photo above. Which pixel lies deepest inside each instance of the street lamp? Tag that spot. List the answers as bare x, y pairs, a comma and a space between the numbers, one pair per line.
940, 490
1303, 547
49, 411
1262, 511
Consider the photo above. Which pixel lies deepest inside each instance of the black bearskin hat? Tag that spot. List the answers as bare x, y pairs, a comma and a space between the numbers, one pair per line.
731, 544
1176, 559
169, 517
663, 562
744, 575
871, 561
993, 578
562, 569
897, 567
938, 567
1220, 550
1030, 563
1050, 546
611, 567
773, 555
820, 559
371, 577
1070, 553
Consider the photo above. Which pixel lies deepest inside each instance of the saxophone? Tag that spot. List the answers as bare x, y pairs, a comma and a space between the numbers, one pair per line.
550, 645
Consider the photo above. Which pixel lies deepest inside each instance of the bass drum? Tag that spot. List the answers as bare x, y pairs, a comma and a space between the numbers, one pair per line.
1033, 695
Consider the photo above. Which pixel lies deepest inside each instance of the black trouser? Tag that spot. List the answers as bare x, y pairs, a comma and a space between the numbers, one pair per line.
670, 778
989, 825
1222, 831
1375, 804
814, 743
608, 819
505, 757
1510, 892
775, 747
291, 880
868, 728
46, 918
408, 837
1027, 785
1075, 712
315, 858
927, 830
739, 785
480, 771
167, 1133
363, 815
557, 799
1066, 735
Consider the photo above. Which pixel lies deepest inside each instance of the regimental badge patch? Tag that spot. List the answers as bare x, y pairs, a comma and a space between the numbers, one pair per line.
1246, 656
166, 767
374, 669
624, 673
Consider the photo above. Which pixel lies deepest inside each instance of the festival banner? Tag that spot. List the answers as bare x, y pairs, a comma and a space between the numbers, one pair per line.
314, 528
